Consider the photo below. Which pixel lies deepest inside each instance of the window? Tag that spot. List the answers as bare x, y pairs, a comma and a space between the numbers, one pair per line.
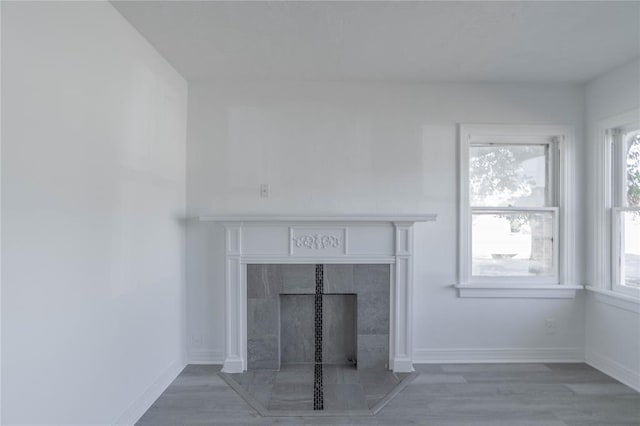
512, 208
624, 143
615, 261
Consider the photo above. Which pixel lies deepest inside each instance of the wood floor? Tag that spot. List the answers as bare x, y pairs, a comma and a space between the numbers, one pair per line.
446, 395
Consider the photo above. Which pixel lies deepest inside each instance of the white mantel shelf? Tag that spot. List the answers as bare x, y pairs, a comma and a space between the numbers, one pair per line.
325, 239
327, 218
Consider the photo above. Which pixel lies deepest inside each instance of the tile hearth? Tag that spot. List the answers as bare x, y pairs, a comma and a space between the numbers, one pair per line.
290, 391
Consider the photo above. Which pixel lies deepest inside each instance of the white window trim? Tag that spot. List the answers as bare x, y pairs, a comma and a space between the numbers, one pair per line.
565, 287
616, 271
606, 240
622, 301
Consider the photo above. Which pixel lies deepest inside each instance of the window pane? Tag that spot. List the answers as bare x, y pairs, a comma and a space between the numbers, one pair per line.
508, 175
631, 248
512, 244
632, 176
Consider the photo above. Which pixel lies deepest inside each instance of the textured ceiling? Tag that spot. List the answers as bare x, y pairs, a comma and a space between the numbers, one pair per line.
399, 41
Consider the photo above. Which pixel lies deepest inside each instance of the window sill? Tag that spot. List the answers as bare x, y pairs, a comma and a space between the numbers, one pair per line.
622, 301
522, 291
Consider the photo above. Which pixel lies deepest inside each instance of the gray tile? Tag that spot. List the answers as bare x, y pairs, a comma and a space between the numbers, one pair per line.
295, 374
339, 279
262, 393
371, 278
402, 376
263, 317
373, 312
263, 353
373, 351
299, 279
292, 396
339, 374
344, 396
375, 392
264, 281
339, 329
369, 377
297, 333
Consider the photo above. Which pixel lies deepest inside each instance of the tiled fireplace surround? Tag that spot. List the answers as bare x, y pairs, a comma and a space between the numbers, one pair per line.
365, 256
280, 315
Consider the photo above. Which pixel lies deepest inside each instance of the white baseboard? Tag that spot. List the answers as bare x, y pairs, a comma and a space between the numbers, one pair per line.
232, 365
494, 355
614, 369
402, 365
205, 357
132, 414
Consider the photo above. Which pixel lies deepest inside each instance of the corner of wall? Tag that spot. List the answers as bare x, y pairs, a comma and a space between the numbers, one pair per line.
142, 403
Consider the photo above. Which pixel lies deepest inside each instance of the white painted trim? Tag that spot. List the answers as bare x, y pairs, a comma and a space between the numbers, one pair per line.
616, 252
206, 357
392, 314
614, 369
233, 296
1, 275
553, 291
141, 404
564, 135
496, 355
464, 210
345, 219
260, 259
613, 298
233, 364
272, 250
603, 244
403, 365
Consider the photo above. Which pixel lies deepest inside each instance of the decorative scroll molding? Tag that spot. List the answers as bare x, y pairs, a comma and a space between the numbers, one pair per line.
317, 241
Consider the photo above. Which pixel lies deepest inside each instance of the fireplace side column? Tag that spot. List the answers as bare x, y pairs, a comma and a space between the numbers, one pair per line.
403, 298
234, 361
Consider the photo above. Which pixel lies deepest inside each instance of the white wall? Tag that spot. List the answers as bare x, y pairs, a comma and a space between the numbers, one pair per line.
612, 333
93, 197
368, 148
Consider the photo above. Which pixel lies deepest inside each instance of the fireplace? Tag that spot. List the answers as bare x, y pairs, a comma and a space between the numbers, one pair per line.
351, 246
342, 311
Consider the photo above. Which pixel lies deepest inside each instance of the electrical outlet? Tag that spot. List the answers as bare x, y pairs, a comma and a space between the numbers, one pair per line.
264, 190
196, 340
550, 325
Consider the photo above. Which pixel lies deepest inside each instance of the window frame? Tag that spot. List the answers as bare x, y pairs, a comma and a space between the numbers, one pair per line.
560, 181
610, 202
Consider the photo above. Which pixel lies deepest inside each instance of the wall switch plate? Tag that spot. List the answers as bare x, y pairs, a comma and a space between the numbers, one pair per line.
264, 190
550, 325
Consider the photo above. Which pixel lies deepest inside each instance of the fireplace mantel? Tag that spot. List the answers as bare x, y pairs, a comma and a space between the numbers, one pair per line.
330, 239
327, 218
